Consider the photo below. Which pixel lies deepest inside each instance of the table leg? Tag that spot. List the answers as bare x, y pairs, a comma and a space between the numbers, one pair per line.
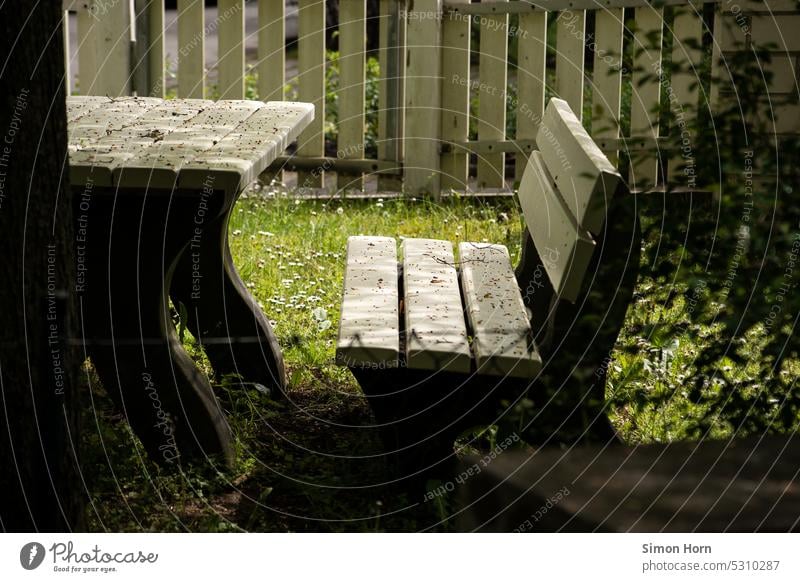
233, 330
133, 345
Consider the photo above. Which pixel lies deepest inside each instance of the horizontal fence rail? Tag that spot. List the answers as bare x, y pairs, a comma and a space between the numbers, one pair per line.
431, 95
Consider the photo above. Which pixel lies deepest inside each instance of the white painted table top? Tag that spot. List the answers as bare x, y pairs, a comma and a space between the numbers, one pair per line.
144, 142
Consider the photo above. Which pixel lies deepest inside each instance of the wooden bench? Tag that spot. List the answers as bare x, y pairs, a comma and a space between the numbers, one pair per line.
437, 341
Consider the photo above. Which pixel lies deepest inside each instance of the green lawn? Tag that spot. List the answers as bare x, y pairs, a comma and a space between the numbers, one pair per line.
290, 253
309, 463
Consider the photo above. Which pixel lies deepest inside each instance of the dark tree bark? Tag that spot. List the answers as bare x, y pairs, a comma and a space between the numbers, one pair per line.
39, 485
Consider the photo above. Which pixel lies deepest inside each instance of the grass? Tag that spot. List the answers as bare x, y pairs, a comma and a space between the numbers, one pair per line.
312, 462
291, 255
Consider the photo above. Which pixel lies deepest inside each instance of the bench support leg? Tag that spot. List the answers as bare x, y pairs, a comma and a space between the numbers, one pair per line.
222, 314
129, 333
421, 413
416, 444
577, 340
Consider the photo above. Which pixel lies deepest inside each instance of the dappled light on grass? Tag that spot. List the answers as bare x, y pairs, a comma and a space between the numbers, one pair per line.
300, 464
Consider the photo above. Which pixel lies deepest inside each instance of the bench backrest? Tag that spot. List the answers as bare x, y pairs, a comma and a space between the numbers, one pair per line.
486, 323
565, 194
577, 272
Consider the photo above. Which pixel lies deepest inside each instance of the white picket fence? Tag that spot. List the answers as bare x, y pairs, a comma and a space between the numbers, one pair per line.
429, 76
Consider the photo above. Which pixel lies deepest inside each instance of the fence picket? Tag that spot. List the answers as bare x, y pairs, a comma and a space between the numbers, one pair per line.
607, 76
429, 51
156, 61
492, 97
87, 56
570, 39
271, 49
148, 54
455, 98
531, 80
423, 98
104, 53
271, 66
352, 52
67, 59
230, 62
191, 49
311, 85
687, 31
645, 97
391, 89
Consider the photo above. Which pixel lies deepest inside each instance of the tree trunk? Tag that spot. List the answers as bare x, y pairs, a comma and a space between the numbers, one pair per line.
39, 485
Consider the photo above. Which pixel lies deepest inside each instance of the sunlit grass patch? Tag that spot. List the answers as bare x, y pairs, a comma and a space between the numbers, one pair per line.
291, 255
297, 464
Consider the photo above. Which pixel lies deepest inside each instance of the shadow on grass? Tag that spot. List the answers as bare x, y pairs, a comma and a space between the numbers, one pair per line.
311, 463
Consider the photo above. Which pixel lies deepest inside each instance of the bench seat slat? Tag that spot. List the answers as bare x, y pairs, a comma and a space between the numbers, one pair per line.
436, 334
369, 329
564, 247
582, 173
501, 331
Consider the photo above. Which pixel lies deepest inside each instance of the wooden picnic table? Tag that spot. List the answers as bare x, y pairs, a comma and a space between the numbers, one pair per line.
154, 184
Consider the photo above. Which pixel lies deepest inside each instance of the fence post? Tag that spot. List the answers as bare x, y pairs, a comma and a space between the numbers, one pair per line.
148, 56
391, 55
423, 98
